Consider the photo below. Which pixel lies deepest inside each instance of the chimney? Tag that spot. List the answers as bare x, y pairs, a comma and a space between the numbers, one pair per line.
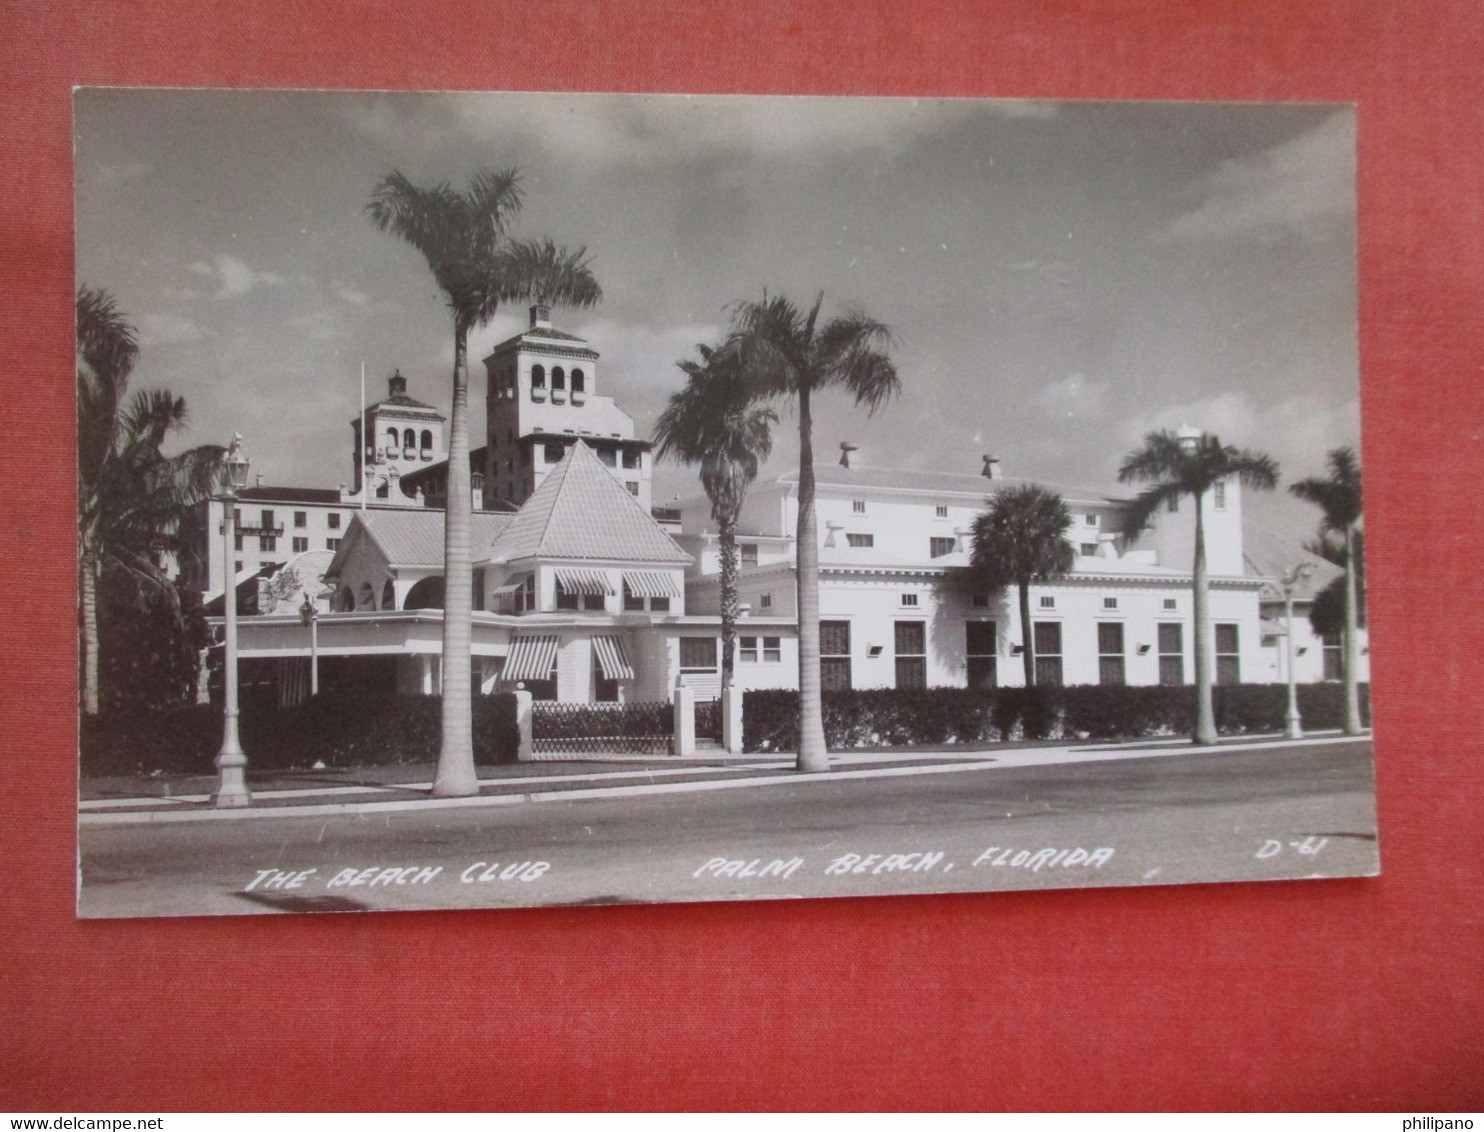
991, 468
540, 315
259, 482
396, 385
846, 448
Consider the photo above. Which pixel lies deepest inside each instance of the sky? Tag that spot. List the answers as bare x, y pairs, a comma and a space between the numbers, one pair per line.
1059, 278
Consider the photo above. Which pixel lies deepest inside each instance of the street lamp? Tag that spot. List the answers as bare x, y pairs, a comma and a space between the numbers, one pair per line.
1292, 724
309, 615
231, 791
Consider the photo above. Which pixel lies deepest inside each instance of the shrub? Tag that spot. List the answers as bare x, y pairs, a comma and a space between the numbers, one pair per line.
338, 730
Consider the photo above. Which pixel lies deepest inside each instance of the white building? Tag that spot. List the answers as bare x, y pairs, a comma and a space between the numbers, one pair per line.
582, 594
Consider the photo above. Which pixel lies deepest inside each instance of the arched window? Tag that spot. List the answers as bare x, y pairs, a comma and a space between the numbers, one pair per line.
391, 437
558, 378
578, 381
426, 594
347, 600
388, 595
427, 440
409, 438
538, 377
383, 490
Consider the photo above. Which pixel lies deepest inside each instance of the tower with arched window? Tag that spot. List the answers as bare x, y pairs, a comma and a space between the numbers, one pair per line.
542, 397
402, 436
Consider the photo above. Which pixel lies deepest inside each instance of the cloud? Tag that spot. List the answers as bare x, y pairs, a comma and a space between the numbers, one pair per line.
641, 130
232, 276
1075, 395
167, 330
1296, 186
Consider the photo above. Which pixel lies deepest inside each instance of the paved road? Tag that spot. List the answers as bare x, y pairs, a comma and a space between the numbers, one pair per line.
1273, 813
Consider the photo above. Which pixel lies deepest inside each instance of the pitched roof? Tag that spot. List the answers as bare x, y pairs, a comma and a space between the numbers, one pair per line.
413, 536
402, 401
534, 334
937, 483
1268, 555
581, 511
289, 495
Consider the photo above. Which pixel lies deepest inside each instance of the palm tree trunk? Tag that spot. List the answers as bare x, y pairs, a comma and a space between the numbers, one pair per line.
1352, 638
1205, 713
726, 521
813, 754
88, 583
1027, 636
456, 776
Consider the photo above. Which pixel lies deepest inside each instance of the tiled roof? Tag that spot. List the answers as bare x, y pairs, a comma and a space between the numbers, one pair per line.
402, 401
946, 483
581, 511
549, 333
1271, 556
413, 536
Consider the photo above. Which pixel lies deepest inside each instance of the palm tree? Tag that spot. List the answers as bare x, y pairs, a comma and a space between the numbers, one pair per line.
1191, 464
712, 422
783, 351
464, 236
1339, 497
131, 498
1022, 539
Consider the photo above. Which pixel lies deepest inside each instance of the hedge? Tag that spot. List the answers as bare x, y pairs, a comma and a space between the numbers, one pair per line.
340, 730
899, 717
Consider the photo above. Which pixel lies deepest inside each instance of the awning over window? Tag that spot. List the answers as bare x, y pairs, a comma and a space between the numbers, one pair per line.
612, 659
512, 586
575, 581
651, 583
530, 658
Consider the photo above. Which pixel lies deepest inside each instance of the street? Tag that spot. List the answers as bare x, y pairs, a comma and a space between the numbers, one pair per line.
960, 823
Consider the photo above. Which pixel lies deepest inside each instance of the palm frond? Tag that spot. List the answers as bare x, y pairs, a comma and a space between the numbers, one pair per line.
542, 271
1147, 504
107, 344
150, 416
1339, 496
1022, 538
1161, 457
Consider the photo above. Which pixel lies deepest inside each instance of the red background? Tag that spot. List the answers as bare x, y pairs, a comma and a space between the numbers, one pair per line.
1325, 995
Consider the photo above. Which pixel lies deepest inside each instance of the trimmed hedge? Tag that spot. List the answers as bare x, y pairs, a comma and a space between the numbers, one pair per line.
900, 717
337, 730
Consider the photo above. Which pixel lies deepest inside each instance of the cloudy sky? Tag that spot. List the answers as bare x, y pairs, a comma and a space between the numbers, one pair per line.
1060, 278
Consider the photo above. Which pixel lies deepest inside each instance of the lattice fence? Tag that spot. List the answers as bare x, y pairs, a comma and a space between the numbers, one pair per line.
625, 729
708, 719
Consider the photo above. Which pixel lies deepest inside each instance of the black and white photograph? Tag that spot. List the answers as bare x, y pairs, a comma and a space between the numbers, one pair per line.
504, 499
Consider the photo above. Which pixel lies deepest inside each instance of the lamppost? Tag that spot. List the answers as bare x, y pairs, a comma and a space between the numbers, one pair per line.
309, 615
231, 791
1292, 724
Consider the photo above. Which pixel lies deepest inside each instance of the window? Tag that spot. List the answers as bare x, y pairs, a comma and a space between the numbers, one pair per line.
267, 519
383, 490
632, 602
525, 597
1110, 652
858, 506
1173, 505
941, 510
609, 457
1048, 652
1092, 519
1228, 655
332, 544
391, 438
1218, 495
765, 601
301, 520
632, 458
237, 566
237, 542
427, 442
698, 654
909, 600
1087, 549
747, 552
558, 378
538, 377
938, 547
860, 540
1170, 603
300, 545
767, 649
911, 650
333, 520
565, 600
267, 542
573, 600
980, 601
979, 646
834, 655
633, 487
409, 438
659, 605
1171, 653
1334, 656
1110, 603
579, 383
553, 452
1048, 602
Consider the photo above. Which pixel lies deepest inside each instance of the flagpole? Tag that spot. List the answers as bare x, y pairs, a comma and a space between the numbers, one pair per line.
365, 487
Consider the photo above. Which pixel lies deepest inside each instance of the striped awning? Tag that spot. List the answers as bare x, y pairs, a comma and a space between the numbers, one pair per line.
651, 583
511, 586
612, 659
530, 658
574, 581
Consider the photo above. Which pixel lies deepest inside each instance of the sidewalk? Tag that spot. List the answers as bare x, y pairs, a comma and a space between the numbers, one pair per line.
367, 790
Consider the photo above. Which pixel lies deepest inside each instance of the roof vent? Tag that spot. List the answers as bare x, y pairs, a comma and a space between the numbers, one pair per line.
846, 448
396, 385
991, 468
540, 315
